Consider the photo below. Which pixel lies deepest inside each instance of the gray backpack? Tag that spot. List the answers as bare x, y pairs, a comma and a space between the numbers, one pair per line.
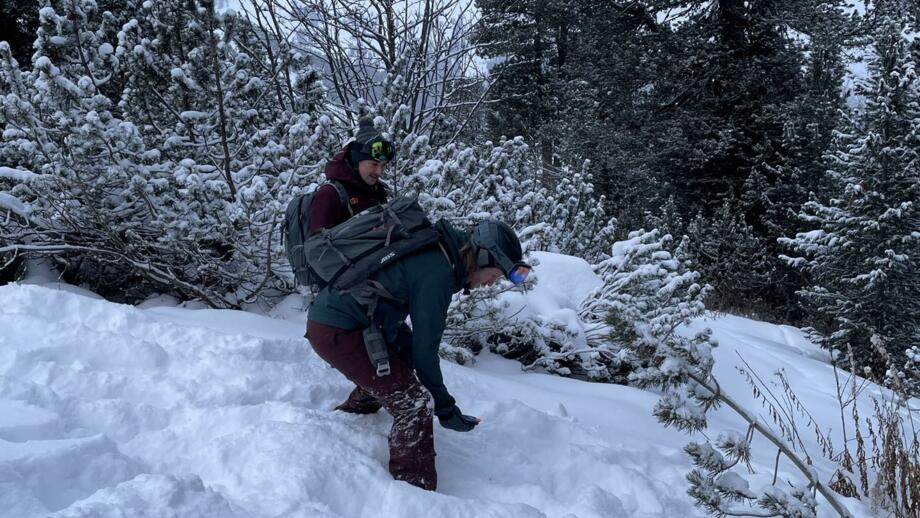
348, 254
345, 258
296, 231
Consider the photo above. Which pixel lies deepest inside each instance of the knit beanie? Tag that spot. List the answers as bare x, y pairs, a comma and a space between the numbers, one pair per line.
360, 149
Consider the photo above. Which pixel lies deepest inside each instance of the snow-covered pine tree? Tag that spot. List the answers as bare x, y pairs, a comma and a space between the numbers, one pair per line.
172, 154
469, 184
784, 175
62, 124
503, 181
529, 38
222, 132
667, 218
580, 224
729, 253
862, 253
650, 290
210, 137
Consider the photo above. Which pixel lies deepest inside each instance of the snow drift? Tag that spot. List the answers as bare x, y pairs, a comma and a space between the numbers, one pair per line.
113, 410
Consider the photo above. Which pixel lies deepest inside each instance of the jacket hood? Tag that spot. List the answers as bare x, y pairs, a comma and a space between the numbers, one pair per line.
340, 168
453, 240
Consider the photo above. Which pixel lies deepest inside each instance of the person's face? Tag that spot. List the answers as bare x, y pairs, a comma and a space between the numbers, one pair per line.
371, 170
485, 276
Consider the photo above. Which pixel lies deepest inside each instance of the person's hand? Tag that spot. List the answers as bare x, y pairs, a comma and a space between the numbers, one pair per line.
451, 418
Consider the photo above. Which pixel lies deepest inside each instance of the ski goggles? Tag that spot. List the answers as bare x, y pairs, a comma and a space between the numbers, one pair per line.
381, 150
519, 273
490, 257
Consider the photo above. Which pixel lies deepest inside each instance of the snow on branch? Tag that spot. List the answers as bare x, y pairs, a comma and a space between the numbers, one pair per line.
17, 175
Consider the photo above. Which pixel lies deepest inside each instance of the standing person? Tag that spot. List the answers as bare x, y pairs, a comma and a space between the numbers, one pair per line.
423, 283
354, 185
358, 169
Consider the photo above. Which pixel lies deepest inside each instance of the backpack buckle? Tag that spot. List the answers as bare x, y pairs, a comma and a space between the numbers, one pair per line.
377, 349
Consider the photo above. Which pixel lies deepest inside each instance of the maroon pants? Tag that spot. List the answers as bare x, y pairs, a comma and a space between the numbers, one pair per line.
400, 393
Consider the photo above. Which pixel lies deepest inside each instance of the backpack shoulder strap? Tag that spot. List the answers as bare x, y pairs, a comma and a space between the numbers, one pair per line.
343, 196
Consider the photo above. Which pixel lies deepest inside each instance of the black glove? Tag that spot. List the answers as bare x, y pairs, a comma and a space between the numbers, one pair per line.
451, 418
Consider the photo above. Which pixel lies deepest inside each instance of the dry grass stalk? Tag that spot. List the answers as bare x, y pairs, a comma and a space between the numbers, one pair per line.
885, 467
890, 476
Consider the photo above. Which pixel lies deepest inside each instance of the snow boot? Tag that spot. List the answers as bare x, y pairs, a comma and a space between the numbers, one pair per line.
360, 402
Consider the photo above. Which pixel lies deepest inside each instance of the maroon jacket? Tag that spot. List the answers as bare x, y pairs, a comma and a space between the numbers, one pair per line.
326, 210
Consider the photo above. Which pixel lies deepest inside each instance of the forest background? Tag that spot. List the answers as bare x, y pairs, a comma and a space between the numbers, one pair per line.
150, 147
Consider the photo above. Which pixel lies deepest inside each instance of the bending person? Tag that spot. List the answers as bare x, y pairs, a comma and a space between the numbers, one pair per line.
426, 281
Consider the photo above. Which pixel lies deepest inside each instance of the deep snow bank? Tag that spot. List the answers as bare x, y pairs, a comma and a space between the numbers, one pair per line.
112, 410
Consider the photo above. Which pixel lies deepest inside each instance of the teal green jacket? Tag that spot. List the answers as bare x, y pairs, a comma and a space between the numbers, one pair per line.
425, 281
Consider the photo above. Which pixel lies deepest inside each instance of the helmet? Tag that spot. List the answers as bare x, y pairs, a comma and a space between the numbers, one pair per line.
500, 248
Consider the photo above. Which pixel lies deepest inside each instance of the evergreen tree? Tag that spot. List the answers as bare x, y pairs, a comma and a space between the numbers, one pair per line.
61, 124
782, 181
649, 289
568, 77
731, 68
607, 114
721, 101
238, 134
529, 42
862, 253
18, 22
731, 257
746, 99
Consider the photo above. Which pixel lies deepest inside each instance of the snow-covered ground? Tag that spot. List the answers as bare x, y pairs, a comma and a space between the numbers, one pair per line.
113, 410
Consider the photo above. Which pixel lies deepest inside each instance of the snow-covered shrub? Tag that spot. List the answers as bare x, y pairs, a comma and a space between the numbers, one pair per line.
469, 183
62, 124
167, 148
479, 320
473, 320
227, 117
579, 224
485, 319
716, 488
650, 290
169, 137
